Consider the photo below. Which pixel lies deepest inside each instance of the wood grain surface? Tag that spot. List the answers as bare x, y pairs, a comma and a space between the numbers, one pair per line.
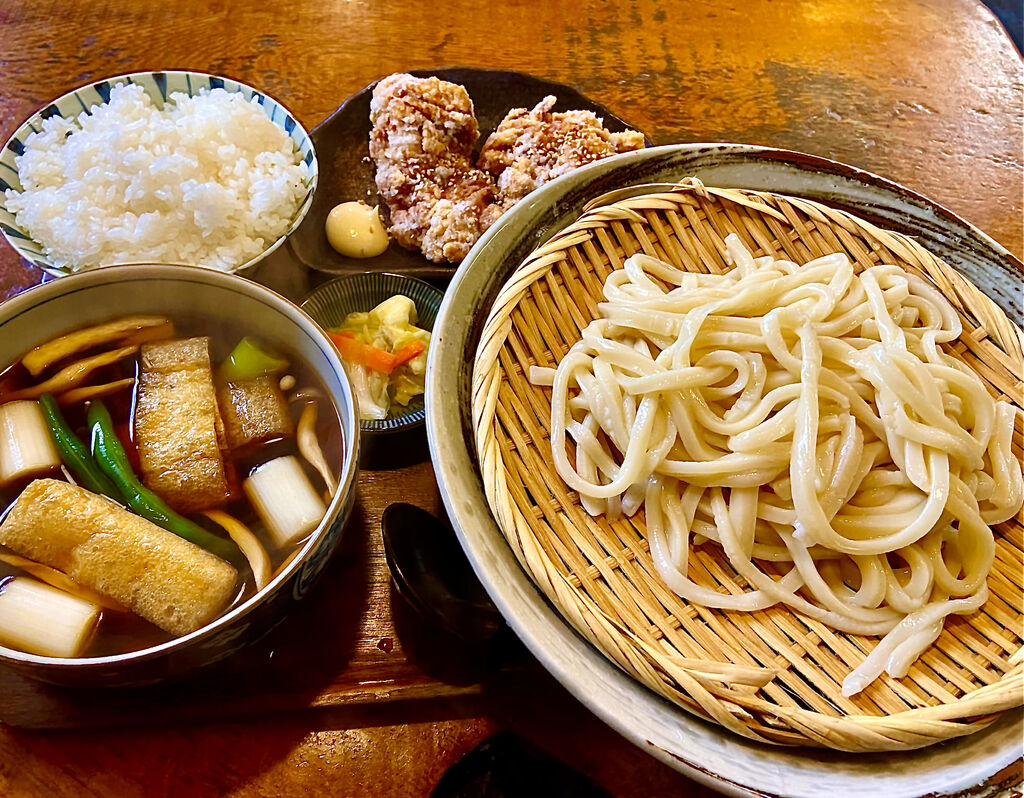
927, 94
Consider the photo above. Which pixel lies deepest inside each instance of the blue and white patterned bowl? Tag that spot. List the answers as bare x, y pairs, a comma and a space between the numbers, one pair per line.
158, 85
331, 302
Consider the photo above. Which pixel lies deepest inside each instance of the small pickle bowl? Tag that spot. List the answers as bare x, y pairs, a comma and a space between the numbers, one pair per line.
159, 86
399, 438
187, 292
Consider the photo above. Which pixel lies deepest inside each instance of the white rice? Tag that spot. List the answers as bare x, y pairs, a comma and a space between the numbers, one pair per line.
207, 180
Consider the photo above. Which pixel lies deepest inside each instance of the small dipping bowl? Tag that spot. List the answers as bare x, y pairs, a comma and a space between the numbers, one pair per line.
447, 624
57, 307
432, 573
159, 86
398, 439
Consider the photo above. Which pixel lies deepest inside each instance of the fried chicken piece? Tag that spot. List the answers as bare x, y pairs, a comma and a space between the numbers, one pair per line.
530, 148
422, 137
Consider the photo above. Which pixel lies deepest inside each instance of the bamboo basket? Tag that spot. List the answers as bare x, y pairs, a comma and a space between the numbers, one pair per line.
599, 575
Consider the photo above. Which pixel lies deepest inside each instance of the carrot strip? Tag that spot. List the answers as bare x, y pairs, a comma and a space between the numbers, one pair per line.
408, 352
355, 351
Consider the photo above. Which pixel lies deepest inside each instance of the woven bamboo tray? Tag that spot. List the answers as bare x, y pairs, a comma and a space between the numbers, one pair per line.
600, 575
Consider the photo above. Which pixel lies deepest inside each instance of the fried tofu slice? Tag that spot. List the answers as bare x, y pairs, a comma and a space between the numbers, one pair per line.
254, 411
170, 582
178, 428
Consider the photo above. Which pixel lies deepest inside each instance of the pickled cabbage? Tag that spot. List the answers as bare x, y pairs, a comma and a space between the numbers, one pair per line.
390, 327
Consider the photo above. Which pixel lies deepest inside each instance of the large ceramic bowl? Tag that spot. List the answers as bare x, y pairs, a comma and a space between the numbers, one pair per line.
51, 309
158, 85
706, 752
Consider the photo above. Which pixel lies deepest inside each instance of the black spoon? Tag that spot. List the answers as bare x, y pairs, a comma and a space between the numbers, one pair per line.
432, 574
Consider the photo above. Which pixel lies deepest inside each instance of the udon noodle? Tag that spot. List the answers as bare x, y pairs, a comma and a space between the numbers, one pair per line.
806, 420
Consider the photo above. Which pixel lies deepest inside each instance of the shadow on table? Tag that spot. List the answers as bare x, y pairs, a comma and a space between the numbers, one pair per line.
1011, 14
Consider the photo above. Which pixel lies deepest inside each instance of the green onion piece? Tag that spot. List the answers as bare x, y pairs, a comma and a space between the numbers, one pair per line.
111, 457
75, 454
249, 360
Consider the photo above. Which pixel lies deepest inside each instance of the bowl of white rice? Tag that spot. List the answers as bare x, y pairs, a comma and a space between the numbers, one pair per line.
156, 167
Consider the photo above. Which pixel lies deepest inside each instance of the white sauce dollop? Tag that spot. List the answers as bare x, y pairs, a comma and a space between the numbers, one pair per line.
355, 230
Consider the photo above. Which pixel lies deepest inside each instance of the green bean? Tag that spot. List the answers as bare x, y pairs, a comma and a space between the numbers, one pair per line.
74, 453
111, 457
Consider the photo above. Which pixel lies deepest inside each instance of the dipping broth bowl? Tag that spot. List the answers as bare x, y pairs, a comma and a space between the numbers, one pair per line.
54, 308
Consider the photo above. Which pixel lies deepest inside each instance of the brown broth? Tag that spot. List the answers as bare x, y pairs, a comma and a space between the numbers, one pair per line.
123, 632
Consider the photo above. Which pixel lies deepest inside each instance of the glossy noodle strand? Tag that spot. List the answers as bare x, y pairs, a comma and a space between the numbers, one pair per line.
806, 420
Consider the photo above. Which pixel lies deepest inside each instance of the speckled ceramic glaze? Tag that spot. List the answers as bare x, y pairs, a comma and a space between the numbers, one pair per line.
51, 309
706, 752
158, 85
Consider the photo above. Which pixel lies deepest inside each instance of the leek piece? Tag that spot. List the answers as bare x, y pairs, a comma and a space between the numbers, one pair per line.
61, 581
309, 446
249, 360
247, 542
26, 446
136, 329
40, 619
284, 499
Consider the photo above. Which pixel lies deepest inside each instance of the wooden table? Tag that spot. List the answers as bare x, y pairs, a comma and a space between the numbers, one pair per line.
926, 94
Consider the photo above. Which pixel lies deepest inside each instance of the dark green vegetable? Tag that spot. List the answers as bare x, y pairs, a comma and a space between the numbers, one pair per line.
74, 453
110, 455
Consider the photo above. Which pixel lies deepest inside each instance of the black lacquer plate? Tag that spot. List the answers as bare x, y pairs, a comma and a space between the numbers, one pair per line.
346, 172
